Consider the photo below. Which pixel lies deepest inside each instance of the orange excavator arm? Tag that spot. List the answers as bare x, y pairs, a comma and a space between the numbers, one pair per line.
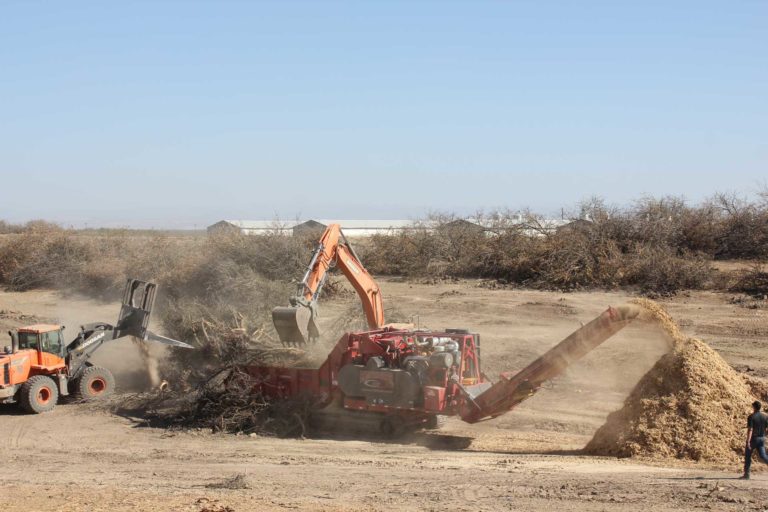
364, 285
297, 324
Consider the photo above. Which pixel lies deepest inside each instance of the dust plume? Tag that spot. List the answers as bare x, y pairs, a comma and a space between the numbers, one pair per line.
135, 364
150, 362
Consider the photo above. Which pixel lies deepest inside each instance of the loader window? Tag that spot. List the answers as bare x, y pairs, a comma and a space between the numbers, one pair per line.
51, 342
28, 340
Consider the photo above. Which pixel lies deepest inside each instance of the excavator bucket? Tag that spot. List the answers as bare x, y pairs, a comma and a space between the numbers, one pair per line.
295, 325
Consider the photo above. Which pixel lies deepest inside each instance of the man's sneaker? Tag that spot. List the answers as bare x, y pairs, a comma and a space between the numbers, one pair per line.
744, 477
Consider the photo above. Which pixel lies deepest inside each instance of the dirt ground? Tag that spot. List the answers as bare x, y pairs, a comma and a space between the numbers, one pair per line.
82, 458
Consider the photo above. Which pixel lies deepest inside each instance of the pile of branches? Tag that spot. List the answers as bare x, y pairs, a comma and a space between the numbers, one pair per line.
226, 343
753, 282
228, 403
216, 392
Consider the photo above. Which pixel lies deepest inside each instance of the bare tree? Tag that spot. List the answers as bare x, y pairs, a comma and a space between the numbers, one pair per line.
730, 203
763, 195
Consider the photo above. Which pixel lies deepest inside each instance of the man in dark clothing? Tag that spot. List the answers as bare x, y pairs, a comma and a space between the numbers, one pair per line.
756, 426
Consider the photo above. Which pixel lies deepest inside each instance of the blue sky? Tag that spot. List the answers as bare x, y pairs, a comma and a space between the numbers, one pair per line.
178, 114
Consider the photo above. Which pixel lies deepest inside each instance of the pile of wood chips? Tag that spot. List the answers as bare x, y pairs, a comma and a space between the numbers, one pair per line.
691, 405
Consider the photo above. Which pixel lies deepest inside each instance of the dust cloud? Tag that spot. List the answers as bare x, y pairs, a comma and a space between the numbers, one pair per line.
135, 363
151, 363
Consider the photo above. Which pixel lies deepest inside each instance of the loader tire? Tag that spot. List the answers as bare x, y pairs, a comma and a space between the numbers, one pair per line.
95, 382
39, 394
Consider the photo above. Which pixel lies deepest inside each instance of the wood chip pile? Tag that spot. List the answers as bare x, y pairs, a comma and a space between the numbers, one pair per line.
691, 405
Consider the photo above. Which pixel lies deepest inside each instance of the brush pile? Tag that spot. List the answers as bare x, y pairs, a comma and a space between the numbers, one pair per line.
753, 282
227, 343
227, 403
691, 405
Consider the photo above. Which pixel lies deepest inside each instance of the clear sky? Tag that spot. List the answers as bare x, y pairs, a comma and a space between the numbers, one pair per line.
176, 114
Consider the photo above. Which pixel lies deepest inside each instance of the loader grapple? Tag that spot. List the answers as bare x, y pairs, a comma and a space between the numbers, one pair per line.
138, 301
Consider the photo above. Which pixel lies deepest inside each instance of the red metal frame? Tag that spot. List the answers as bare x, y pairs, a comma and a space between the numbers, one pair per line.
392, 345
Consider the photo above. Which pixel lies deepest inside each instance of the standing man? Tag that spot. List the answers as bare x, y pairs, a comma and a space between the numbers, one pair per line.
756, 425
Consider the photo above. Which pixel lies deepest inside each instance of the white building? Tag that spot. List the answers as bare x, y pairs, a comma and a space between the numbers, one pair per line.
359, 228
351, 228
252, 227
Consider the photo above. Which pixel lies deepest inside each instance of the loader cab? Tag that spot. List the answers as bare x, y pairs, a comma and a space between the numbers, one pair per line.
44, 338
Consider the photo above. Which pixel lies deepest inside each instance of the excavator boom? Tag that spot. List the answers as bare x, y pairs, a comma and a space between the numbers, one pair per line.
297, 323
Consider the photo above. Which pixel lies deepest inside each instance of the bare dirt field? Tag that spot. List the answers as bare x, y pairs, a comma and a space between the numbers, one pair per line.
80, 457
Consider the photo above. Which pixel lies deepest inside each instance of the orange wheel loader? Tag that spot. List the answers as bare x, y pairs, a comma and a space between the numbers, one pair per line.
39, 367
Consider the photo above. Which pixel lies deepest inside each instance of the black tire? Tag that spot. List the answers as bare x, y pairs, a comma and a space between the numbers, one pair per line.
95, 382
39, 394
